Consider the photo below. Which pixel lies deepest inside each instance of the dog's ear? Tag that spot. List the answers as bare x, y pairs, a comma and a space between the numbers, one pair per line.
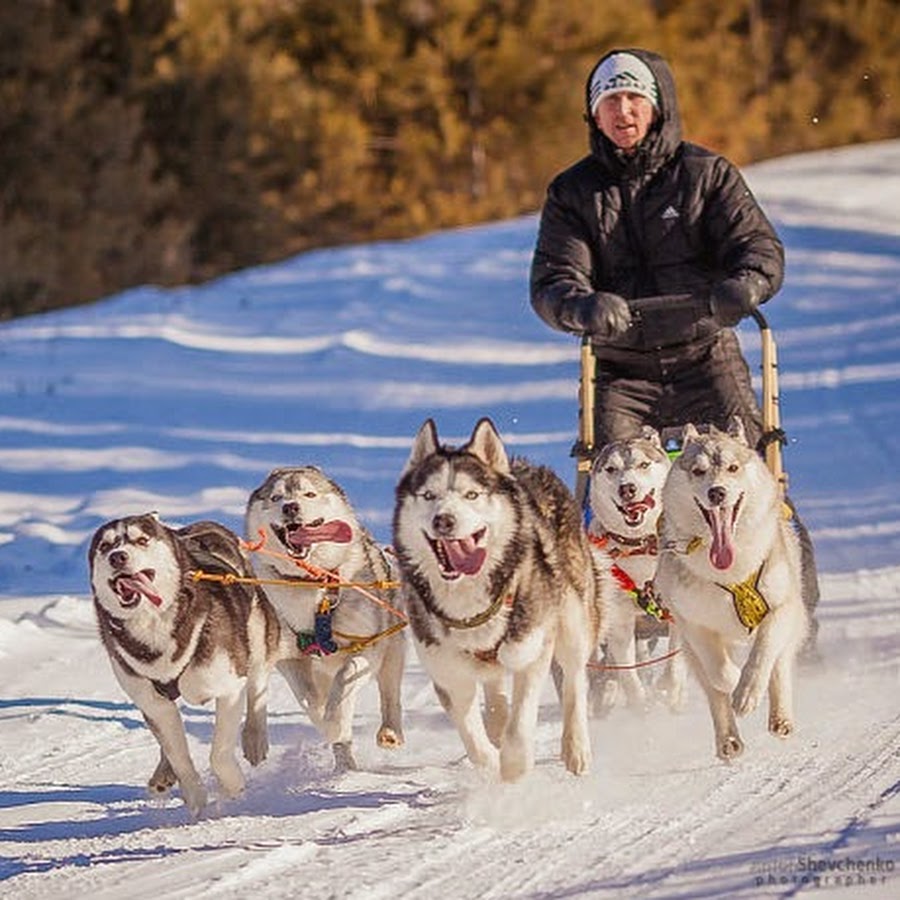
689, 434
424, 445
485, 443
737, 431
649, 433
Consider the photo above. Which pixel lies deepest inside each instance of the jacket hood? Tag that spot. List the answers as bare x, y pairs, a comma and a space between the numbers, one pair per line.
664, 136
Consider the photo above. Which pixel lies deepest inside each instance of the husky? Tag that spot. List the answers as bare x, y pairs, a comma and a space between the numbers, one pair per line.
338, 637
498, 580
169, 635
730, 571
624, 506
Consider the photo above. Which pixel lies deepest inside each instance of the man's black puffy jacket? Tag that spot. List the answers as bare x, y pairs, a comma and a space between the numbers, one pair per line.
672, 219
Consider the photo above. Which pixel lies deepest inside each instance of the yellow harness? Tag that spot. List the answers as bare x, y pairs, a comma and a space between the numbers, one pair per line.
749, 604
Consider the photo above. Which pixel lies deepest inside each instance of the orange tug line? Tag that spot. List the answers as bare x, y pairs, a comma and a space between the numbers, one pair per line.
328, 578
323, 576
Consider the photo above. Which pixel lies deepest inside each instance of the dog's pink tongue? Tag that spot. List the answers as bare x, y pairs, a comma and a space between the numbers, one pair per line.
721, 550
138, 583
335, 532
634, 512
465, 557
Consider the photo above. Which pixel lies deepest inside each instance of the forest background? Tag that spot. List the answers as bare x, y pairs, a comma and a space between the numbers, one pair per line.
169, 141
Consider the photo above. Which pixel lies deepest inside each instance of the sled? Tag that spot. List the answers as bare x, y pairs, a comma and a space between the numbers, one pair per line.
584, 450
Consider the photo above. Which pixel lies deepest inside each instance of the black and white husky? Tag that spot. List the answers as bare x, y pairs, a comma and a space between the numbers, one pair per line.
169, 636
730, 571
336, 639
499, 580
625, 500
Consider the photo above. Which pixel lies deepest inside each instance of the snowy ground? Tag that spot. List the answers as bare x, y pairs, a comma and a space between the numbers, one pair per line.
182, 400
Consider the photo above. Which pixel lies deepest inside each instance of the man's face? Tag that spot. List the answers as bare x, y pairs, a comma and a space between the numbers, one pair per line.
625, 118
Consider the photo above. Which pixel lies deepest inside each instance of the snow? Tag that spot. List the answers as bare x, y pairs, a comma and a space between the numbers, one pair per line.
181, 401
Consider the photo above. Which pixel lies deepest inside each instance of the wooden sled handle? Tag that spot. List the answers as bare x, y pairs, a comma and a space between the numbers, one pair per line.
771, 410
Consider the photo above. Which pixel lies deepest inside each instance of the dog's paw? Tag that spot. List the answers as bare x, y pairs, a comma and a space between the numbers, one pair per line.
780, 725
486, 759
255, 744
577, 757
637, 699
194, 795
730, 747
162, 779
344, 760
388, 738
515, 762
602, 698
675, 697
230, 777
672, 685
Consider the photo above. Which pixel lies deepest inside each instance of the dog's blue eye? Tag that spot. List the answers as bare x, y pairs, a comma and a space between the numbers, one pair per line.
276, 498
428, 495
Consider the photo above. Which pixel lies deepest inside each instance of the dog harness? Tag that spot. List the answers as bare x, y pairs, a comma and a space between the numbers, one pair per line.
749, 604
320, 641
645, 597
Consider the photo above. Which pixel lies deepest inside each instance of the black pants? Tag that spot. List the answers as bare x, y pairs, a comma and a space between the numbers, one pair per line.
667, 389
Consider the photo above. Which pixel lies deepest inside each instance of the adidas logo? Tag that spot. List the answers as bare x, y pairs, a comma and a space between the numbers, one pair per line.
671, 213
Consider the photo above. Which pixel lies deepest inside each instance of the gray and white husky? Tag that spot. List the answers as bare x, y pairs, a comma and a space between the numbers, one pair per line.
730, 571
169, 636
335, 639
625, 500
499, 580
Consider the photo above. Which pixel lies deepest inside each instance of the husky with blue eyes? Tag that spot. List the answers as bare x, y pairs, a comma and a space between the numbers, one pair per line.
499, 582
170, 634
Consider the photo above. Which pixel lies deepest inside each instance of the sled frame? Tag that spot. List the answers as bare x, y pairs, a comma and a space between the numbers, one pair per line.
585, 447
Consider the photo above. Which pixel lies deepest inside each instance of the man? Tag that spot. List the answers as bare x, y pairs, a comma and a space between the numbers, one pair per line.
656, 248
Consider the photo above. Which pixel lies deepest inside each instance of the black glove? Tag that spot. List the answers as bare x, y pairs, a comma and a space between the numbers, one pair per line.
605, 315
736, 297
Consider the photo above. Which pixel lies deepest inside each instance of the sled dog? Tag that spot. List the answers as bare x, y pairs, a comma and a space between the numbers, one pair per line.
625, 502
498, 579
169, 635
337, 638
730, 571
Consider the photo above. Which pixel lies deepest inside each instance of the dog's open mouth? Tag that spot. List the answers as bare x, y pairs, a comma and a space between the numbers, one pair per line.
721, 520
633, 512
299, 538
131, 586
459, 556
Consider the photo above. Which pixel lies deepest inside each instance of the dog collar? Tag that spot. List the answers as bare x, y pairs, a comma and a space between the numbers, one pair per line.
647, 545
503, 599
